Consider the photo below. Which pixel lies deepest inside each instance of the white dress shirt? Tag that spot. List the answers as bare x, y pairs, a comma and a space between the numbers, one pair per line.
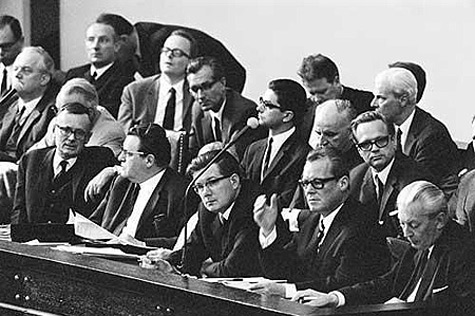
163, 96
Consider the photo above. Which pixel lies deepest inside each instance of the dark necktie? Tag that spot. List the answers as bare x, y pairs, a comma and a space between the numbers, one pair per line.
94, 77
13, 139
320, 234
267, 157
398, 140
169, 119
217, 130
427, 276
418, 270
379, 188
63, 164
4, 88
134, 195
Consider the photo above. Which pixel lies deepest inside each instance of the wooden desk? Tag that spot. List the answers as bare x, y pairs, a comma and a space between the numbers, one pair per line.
42, 279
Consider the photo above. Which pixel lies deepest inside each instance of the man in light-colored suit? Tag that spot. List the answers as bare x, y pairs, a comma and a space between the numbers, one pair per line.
147, 101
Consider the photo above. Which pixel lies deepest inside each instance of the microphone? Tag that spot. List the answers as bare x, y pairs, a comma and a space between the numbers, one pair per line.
252, 123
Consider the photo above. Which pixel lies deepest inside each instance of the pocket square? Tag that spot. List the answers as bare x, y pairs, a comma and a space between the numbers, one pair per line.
440, 289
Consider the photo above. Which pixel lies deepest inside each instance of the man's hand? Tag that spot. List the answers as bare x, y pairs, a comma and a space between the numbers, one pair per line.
96, 186
266, 215
269, 288
317, 299
160, 253
127, 239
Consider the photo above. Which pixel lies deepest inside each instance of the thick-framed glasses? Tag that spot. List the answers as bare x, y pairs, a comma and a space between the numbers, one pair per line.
205, 86
269, 105
130, 153
66, 131
210, 184
176, 52
316, 183
380, 142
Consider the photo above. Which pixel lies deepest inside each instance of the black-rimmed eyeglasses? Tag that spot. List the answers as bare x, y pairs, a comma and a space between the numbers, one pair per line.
176, 52
268, 104
316, 183
210, 184
380, 142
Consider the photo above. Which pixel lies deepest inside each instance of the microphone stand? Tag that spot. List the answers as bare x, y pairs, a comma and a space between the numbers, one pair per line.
193, 181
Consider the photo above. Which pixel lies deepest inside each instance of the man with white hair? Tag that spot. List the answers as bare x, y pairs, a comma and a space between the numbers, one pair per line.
420, 136
437, 268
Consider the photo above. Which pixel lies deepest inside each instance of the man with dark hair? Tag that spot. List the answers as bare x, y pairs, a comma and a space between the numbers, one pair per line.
420, 136
378, 181
31, 107
144, 204
107, 74
335, 246
321, 78
11, 44
163, 99
218, 112
277, 162
51, 181
225, 231
437, 269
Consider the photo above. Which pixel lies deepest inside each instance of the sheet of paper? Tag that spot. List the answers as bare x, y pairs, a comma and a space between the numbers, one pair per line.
105, 252
242, 283
85, 228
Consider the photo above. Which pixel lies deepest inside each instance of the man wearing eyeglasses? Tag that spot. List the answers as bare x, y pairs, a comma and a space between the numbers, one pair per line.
144, 204
104, 71
277, 161
224, 242
378, 181
336, 245
11, 43
163, 99
51, 181
218, 112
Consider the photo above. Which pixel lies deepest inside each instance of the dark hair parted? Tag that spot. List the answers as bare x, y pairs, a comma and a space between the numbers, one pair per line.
227, 164
194, 50
153, 140
338, 164
14, 25
316, 67
291, 96
418, 73
78, 108
120, 24
198, 63
370, 116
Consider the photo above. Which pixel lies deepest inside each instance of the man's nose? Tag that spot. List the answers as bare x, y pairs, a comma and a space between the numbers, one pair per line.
374, 103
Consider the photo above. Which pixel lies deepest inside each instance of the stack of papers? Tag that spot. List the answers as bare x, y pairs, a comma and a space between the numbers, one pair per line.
110, 253
242, 283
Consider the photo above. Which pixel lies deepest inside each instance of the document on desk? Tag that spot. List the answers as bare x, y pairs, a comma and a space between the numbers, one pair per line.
106, 252
242, 283
85, 228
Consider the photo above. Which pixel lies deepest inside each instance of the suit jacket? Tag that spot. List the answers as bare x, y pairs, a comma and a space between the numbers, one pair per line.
462, 203
360, 99
140, 99
109, 85
36, 170
152, 36
161, 217
468, 157
451, 271
403, 171
429, 143
35, 125
237, 109
233, 247
352, 250
283, 173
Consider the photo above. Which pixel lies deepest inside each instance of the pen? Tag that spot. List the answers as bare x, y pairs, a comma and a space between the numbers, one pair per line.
307, 299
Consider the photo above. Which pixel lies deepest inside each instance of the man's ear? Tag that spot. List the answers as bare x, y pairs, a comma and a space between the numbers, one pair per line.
336, 80
289, 116
344, 183
235, 180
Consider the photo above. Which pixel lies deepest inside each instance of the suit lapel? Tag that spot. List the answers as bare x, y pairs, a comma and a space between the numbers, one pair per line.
152, 203
414, 131
187, 105
151, 100
8, 122
78, 174
368, 189
31, 119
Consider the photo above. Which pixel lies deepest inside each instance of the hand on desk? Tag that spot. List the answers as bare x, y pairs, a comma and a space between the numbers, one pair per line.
156, 259
317, 299
270, 288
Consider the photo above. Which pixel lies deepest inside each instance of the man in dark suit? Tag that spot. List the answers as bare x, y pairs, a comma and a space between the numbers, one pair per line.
52, 180
225, 232
321, 78
107, 75
218, 112
462, 202
422, 137
438, 268
378, 181
277, 161
11, 44
163, 99
153, 215
31, 108
335, 246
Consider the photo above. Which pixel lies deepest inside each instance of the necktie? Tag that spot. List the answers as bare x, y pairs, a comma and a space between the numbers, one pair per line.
379, 188
169, 119
320, 234
267, 157
398, 140
217, 130
16, 127
134, 195
418, 270
63, 164
94, 77
427, 276
4, 87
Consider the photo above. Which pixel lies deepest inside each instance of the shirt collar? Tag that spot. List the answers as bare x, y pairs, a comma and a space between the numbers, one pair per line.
225, 214
405, 126
100, 71
218, 114
165, 86
151, 183
57, 159
328, 220
383, 174
279, 139
29, 106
